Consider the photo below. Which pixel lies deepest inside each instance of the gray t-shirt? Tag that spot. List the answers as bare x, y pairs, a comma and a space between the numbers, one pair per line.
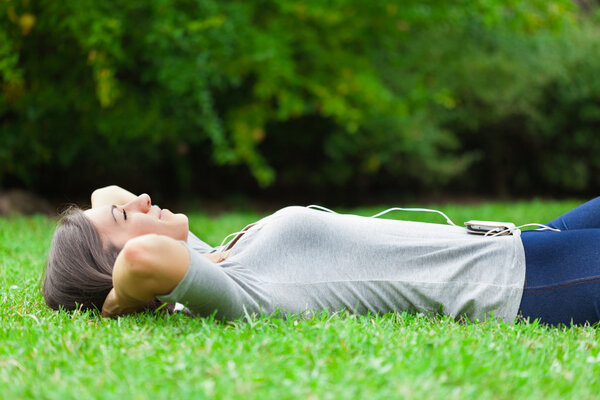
303, 260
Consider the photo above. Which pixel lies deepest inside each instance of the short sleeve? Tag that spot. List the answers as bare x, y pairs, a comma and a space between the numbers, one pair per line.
206, 288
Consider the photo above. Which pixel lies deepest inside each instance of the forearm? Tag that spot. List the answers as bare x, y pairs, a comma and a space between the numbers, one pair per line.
131, 288
122, 299
110, 195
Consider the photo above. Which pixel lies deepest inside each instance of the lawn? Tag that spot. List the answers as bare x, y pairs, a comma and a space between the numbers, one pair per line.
44, 354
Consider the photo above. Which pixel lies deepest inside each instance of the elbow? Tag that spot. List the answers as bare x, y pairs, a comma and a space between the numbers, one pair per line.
139, 257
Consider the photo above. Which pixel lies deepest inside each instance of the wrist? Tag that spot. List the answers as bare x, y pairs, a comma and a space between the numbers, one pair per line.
116, 304
109, 195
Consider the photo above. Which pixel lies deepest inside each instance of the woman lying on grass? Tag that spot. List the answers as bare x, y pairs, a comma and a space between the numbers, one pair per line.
125, 255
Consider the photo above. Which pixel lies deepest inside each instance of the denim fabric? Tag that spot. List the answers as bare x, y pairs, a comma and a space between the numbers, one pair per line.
562, 278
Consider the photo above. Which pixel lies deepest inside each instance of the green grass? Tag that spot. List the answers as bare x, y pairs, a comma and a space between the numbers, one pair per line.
44, 354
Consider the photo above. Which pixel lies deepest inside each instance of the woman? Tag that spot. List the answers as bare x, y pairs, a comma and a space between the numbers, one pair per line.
302, 260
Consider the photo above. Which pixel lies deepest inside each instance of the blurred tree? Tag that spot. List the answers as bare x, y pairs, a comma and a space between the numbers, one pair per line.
414, 93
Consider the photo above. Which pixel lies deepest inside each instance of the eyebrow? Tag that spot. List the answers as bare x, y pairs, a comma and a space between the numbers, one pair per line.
112, 212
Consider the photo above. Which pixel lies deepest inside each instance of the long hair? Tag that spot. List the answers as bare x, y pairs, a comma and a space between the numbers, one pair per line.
79, 268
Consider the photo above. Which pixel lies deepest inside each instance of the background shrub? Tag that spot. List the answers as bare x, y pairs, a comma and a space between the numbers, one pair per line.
341, 97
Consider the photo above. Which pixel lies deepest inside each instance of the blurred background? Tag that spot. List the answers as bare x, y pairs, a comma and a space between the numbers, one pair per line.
342, 102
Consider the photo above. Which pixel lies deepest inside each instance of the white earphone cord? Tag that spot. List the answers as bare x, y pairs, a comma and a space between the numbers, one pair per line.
448, 220
542, 227
234, 233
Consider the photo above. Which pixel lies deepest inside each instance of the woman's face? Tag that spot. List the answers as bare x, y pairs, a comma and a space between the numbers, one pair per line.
118, 224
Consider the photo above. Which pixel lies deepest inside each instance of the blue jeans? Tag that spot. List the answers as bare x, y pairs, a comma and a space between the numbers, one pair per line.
562, 279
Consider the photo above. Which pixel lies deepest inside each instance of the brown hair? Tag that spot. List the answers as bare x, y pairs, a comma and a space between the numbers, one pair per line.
79, 268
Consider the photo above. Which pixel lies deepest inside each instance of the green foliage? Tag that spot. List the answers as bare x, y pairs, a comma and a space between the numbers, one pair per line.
528, 106
309, 93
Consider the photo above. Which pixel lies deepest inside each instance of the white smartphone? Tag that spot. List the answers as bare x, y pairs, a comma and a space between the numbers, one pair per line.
490, 227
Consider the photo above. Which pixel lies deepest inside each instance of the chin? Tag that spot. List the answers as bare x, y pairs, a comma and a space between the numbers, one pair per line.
185, 226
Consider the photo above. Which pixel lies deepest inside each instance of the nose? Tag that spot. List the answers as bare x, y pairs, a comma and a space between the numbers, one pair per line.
142, 203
